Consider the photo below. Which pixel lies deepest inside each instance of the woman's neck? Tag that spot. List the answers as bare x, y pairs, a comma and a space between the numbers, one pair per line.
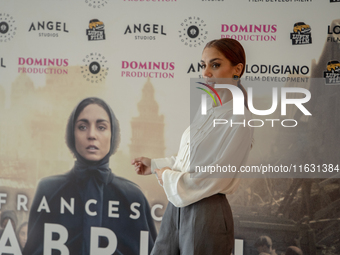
225, 96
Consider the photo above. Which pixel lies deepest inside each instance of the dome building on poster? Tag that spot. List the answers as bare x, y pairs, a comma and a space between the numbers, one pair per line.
148, 128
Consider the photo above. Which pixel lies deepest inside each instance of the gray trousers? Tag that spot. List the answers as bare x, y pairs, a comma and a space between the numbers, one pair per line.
203, 228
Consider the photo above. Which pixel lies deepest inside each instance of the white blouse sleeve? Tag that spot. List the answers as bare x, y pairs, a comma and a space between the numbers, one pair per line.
162, 162
228, 148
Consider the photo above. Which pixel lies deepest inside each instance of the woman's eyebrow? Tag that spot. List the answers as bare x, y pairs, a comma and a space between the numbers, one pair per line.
98, 121
102, 120
84, 120
211, 60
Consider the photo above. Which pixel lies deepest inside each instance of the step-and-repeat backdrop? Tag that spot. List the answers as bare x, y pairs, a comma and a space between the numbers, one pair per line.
139, 56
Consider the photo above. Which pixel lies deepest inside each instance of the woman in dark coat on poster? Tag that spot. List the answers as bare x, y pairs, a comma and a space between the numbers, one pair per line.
89, 210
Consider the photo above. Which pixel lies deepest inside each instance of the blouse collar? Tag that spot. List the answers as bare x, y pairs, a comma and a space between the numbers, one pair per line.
219, 110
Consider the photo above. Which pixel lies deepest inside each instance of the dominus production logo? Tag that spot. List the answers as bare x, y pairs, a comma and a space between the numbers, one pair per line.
334, 1
96, 3
95, 68
249, 32
145, 69
193, 31
301, 34
279, 1
150, 1
332, 74
7, 27
57, 66
96, 30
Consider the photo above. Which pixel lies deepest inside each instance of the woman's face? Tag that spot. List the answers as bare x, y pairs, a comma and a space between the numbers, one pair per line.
216, 65
93, 133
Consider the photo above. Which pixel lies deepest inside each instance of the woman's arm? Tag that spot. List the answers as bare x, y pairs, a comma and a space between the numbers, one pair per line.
230, 148
146, 166
162, 162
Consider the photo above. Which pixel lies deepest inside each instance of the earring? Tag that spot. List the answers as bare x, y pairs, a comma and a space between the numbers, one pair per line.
236, 77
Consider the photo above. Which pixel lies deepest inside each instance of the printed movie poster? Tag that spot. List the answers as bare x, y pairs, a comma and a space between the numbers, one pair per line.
83, 94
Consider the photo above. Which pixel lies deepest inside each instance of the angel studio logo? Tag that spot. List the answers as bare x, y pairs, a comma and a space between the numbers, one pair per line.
145, 31
332, 74
7, 27
301, 34
95, 68
48, 28
96, 30
193, 31
96, 3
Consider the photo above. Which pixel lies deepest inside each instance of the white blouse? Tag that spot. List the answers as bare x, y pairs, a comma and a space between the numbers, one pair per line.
222, 145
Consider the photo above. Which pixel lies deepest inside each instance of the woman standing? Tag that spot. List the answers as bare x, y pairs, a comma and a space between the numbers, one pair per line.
198, 219
100, 212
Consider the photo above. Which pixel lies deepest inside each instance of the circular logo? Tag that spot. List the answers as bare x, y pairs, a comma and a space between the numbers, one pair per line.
96, 3
7, 27
193, 32
95, 68
4, 27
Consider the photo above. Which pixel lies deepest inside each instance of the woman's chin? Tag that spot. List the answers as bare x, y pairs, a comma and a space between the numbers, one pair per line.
93, 157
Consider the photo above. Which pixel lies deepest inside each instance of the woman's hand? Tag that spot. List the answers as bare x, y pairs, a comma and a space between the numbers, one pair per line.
142, 165
159, 173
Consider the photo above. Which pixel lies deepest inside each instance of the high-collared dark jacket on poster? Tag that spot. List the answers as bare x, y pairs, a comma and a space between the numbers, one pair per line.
69, 186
